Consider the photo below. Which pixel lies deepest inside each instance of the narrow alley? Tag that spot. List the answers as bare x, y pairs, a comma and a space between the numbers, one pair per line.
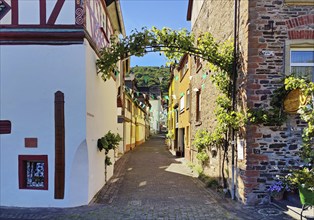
150, 183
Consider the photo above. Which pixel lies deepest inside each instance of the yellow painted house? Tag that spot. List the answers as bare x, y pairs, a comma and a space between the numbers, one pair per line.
171, 122
140, 126
129, 123
136, 116
179, 109
183, 140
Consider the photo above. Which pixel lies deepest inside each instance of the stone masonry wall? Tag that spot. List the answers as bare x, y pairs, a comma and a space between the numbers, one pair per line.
216, 17
271, 150
268, 151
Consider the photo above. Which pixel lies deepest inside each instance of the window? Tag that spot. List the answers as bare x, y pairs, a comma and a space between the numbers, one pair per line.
176, 115
302, 62
198, 105
185, 67
198, 64
299, 57
33, 172
129, 106
134, 110
187, 99
182, 104
187, 135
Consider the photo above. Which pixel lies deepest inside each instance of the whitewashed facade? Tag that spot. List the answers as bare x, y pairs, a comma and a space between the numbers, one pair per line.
49, 46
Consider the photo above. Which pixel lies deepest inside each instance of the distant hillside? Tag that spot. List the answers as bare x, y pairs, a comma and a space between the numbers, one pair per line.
148, 76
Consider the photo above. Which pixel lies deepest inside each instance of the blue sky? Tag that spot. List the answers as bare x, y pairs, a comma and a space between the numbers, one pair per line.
158, 13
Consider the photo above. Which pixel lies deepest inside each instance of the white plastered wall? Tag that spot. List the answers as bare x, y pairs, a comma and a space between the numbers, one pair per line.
29, 77
101, 106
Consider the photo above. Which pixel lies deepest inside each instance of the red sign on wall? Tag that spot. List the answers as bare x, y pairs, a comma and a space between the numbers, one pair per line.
5, 127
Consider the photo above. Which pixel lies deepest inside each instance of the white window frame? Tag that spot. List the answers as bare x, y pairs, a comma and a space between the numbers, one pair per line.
300, 64
187, 99
182, 103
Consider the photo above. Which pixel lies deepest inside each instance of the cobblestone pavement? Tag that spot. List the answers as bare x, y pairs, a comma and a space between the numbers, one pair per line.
150, 183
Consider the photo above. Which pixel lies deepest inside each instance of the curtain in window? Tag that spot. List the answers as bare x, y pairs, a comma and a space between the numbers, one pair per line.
305, 71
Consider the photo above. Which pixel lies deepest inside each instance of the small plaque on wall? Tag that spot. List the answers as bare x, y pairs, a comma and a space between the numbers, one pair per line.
240, 149
31, 142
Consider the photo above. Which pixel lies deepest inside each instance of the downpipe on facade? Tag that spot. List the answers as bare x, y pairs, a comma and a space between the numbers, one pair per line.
234, 83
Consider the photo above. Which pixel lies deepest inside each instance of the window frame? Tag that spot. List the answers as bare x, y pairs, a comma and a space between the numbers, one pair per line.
299, 2
184, 67
182, 104
198, 106
301, 64
198, 63
187, 101
176, 116
295, 44
22, 160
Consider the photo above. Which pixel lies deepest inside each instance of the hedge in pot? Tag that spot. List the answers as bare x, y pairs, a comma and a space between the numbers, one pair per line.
109, 141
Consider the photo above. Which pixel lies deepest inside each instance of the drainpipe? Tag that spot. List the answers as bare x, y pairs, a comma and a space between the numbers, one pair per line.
234, 83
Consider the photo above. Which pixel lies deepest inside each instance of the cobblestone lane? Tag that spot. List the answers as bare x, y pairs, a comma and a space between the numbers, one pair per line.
150, 183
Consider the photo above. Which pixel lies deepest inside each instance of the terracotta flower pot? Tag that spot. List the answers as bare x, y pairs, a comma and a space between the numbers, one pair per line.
277, 196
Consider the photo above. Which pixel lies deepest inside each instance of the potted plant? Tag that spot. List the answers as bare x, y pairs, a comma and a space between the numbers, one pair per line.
303, 179
277, 189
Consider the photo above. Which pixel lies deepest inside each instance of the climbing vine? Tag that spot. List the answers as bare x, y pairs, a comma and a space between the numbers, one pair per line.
219, 56
227, 118
276, 116
172, 43
306, 113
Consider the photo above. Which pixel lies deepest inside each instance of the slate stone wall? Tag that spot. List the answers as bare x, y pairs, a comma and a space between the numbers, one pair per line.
265, 29
271, 151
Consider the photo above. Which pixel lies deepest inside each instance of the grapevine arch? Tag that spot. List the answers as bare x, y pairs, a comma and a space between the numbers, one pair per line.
170, 42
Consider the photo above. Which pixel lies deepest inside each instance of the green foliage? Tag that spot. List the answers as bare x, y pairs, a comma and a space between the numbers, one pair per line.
226, 117
202, 142
109, 141
199, 169
202, 156
170, 135
306, 113
221, 79
170, 42
269, 117
148, 76
273, 116
209, 181
302, 178
276, 115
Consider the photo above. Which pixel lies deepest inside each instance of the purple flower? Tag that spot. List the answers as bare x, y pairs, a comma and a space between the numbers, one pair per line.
278, 186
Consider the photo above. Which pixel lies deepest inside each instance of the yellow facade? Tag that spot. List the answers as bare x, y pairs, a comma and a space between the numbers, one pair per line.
135, 129
184, 91
140, 125
179, 109
129, 126
171, 114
